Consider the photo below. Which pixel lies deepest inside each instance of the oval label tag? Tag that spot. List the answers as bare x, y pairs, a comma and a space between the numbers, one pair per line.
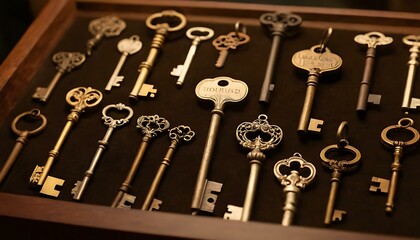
221, 90
309, 59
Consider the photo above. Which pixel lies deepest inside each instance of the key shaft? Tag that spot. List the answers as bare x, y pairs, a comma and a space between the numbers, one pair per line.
311, 84
42, 94
187, 64
115, 79
335, 183
412, 68
250, 190
395, 167
366, 80
268, 86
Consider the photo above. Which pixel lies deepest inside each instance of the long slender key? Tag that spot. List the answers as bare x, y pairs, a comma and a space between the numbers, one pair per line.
338, 166
108, 26
372, 40
127, 46
404, 125
316, 60
279, 24
176, 134
31, 116
249, 135
293, 182
112, 124
197, 34
163, 23
80, 99
413, 62
66, 62
220, 90
150, 126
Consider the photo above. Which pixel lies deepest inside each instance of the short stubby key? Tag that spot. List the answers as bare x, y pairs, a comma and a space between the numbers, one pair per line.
404, 126
220, 90
150, 126
112, 124
316, 60
66, 62
338, 167
80, 99
32, 116
108, 26
413, 62
127, 46
372, 40
279, 24
163, 23
197, 34
250, 136
177, 135
293, 181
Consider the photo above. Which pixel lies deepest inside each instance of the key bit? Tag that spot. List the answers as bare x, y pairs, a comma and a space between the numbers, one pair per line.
233, 213
50, 186
338, 215
126, 201
379, 185
155, 206
413, 62
108, 26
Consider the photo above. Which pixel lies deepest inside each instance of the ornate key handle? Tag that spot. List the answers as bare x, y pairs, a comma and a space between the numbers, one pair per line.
181, 133
404, 124
67, 61
152, 125
318, 52
108, 26
200, 33
129, 46
81, 98
281, 23
166, 21
116, 122
30, 116
373, 39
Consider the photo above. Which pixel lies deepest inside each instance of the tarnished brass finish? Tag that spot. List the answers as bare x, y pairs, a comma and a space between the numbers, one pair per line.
108, 26
413, 62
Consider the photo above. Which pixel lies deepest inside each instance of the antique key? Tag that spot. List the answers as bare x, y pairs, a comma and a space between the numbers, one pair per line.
127, 46
316, 60
80, 98
230, 41
23, 135
372, 40
197, 34
66, 62
413, 62
293, 183
163, 23
108, 26
112, 124
220, 90
250, 136
338, 166
385, 186
150, 126
279, 24
176, 134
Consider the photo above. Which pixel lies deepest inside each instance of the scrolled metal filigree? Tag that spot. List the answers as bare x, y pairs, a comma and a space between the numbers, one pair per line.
116, 122
181, 132
151, 125
81, 98
67, 61
294, 178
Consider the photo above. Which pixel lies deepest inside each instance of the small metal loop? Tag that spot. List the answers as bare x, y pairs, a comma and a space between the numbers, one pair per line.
343, 135
400, 126
239, 28
166, 13
325, 39
118, 122
409, 124
33, 114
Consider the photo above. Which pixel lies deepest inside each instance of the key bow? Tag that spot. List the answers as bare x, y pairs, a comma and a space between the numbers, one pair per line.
169, 20
67, 61
373, 39
152, 125
200, 33
130, 45
108, 26
280, 22
181, 132
294, 178
116, 122
31, 116
81, 98
404, 124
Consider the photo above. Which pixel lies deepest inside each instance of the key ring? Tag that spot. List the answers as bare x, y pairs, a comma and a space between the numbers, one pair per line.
404, 124
209, 31
325, 39
166, 13
239, 28
119, 122
82, 97
34, 114
300, 181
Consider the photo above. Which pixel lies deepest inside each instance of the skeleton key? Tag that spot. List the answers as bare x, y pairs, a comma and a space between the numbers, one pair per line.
23, 135
293, 182
197, 34
220, 90
279, 24
230, 41
127, 46
413, 62
404, 125
66, 62
177, 134
163, 23
80, 98
150, 126
316, 60
108, 26
338, 166
112, 124
372, 40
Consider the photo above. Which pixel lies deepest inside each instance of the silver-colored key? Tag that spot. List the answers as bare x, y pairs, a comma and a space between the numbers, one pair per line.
66, 62
220, 90
108, 26
413, 62
127, 46
112, 124
197, 34
316, 60
293, 183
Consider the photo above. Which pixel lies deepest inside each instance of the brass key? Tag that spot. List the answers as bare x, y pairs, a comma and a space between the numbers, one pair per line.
163, 23
108, 26
413, 62
220, 90
66, 62
150, 126
112, 124
338, 166
23, 135
80, 98
176, 134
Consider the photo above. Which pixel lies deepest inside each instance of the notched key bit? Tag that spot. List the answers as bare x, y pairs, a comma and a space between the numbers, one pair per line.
126, 201
155, 206
51, 185
379, 185
338, 215
233, 213
108, 26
